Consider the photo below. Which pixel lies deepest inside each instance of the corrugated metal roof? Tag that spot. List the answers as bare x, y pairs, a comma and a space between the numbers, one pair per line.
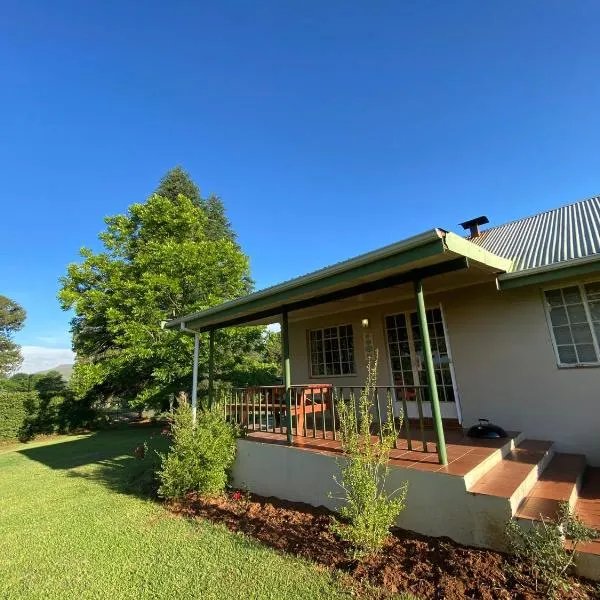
565, 233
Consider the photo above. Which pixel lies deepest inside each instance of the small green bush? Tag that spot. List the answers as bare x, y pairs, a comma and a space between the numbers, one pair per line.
13, 412
369, 510
541, 549
200, 456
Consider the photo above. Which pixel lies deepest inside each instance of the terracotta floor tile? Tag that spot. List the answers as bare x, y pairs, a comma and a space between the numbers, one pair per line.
424, 466
464, 453
532, 508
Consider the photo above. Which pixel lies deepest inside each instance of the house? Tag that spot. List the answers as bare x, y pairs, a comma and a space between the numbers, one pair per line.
504, 320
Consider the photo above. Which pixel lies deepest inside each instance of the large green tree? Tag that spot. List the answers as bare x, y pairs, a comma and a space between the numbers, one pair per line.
178, 182
161, 259
12, 318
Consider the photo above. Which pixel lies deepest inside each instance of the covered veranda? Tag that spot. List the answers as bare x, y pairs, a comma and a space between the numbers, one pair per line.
295, 414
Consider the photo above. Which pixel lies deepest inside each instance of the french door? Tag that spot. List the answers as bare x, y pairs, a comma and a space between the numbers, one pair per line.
407, 364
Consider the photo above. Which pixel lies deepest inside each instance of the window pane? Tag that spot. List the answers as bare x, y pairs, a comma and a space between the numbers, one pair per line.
582, 334
576, 313
586, 353
567, 355
595, 310
593, 290
554, 297
572, 295
562, 335
558, 316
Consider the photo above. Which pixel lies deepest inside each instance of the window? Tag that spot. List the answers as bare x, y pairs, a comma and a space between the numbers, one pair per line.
332, 351
574, 317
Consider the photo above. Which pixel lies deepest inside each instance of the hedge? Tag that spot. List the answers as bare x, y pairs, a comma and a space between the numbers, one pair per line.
13, 412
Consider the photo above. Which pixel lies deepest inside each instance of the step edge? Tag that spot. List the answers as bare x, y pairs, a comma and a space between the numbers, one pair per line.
485, 466
544, 458
573, 496
530, 479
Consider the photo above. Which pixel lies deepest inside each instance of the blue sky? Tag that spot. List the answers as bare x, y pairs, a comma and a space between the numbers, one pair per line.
328, 128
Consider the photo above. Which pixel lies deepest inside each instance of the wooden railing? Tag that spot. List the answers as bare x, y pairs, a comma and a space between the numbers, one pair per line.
313, 410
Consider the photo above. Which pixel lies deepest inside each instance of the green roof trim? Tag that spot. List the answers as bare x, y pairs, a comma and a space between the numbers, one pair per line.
554, 272
463, 247
404, 255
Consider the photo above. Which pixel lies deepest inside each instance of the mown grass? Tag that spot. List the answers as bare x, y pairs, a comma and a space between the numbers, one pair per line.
71, 526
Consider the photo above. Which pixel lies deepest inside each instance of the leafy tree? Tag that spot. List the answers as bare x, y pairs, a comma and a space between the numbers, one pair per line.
177, 182
19, 382
159, 260
12, 318
272, 350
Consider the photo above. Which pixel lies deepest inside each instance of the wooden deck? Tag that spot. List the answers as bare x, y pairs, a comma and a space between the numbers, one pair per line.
464, 453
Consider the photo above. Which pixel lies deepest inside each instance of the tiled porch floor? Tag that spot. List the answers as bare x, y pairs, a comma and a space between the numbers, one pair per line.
464, 453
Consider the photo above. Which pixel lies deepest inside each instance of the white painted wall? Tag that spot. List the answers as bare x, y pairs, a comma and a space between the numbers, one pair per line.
504, 363
437, 504
506, 370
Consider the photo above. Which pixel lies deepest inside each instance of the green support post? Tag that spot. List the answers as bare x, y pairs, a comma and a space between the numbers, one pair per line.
211, 367
430, 373
195, 380
287, 377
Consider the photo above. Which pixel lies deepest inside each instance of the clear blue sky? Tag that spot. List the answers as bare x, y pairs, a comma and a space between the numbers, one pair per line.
328, 128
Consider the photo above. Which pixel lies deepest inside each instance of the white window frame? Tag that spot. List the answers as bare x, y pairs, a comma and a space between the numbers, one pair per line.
322, 330
581, 285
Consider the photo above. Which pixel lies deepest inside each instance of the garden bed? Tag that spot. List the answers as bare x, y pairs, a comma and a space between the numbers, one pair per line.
424, 566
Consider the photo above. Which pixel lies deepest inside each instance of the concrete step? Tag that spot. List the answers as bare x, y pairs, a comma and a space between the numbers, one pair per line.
490, 459
587, 508
494, 498
560, 482
516, 474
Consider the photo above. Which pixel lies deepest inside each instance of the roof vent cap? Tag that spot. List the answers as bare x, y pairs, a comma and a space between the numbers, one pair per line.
473, 226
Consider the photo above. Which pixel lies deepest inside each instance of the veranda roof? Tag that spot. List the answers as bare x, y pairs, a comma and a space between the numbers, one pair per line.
430, 253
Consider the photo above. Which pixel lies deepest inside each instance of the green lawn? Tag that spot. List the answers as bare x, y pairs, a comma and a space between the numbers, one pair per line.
71, 528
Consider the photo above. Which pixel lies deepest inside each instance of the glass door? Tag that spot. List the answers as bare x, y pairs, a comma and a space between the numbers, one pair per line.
407, 362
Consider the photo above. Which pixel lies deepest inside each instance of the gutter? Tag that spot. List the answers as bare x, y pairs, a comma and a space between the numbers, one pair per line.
559, 270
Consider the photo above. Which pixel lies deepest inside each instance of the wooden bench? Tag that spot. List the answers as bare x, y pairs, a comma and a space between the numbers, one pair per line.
310, 399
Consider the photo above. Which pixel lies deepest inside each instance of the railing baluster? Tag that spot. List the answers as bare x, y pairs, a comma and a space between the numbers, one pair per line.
421, 421
301, 411
312, 404
280, 394
247, 397
333, 396
389, 404
323, 406
406, 419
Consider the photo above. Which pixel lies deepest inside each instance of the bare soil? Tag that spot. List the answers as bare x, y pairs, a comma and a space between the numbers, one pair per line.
424, 566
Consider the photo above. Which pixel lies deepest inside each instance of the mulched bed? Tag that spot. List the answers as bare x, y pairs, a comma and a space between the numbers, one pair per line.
424, 566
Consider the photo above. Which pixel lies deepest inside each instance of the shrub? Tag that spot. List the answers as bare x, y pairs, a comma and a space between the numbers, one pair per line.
49, 407
200, 456
541, 548
368, 509
13, 412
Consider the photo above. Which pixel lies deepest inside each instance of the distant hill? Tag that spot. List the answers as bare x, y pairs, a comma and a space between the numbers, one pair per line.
65, 370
